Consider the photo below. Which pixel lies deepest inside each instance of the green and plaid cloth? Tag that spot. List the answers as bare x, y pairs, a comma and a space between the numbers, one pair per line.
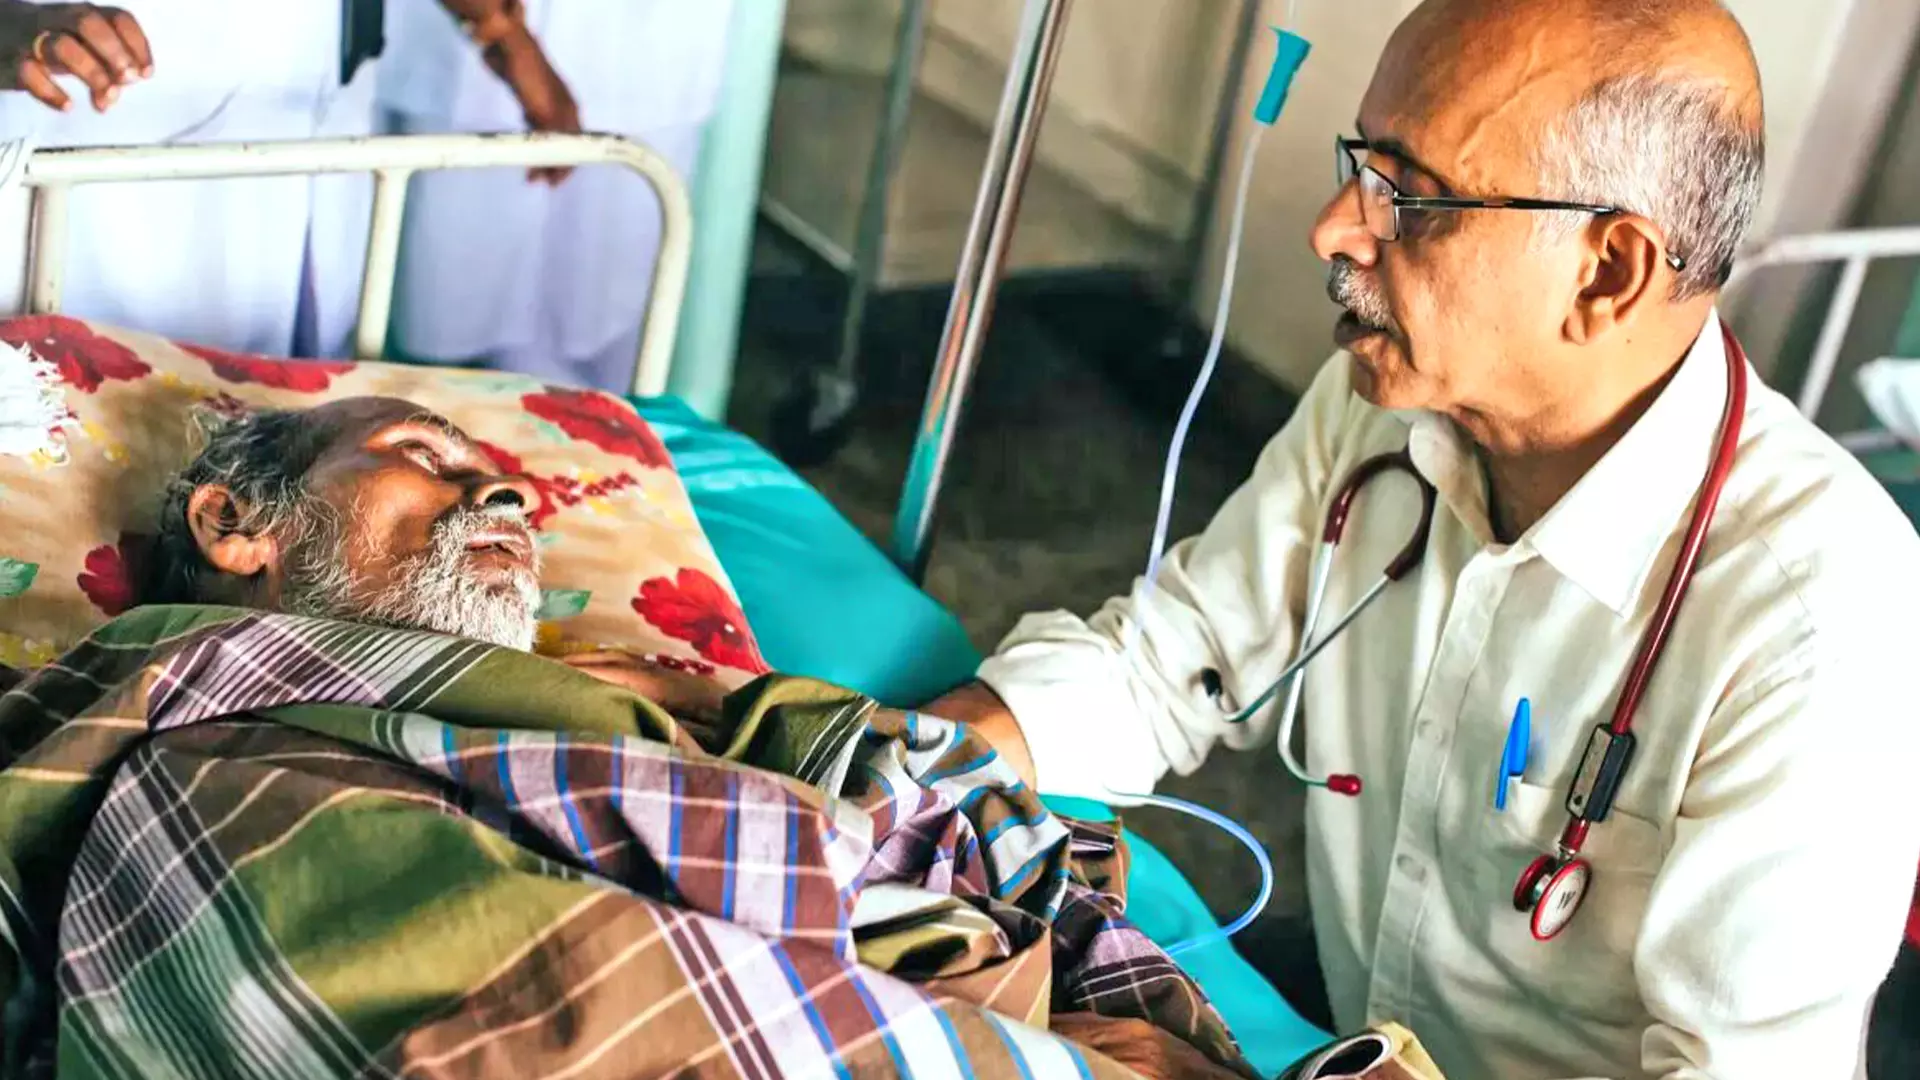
253, 845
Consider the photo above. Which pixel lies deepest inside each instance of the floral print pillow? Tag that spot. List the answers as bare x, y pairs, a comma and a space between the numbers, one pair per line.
625, 562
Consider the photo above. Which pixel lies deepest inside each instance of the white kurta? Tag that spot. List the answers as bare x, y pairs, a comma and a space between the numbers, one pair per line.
551, 282
1752, 883
221, 262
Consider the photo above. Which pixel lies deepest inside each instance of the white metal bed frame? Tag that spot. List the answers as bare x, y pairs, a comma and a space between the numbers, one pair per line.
392, 159
1855, 250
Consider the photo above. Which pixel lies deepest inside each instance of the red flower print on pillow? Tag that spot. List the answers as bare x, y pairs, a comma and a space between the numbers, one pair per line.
110, 573
693, 608
300, 376
85, 359
602, 420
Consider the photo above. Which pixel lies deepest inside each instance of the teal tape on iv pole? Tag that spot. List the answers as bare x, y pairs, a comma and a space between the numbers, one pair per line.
1292, 52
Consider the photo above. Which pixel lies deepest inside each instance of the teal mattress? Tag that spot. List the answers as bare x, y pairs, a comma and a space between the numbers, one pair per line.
801, 568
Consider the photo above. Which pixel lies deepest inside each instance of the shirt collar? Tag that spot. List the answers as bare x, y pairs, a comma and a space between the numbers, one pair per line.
1605, 534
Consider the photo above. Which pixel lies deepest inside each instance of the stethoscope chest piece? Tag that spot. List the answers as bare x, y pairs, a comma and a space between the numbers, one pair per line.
1551, 888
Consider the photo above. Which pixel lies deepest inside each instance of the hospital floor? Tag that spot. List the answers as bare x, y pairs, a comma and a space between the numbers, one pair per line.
1050, 503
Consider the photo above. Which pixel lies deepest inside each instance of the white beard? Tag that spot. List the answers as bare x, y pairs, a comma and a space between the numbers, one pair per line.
435, 590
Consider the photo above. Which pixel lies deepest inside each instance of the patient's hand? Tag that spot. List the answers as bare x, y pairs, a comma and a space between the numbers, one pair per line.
693, 700
1147, 1050
103, 46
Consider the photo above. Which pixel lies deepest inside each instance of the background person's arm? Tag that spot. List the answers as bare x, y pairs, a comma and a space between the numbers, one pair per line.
499, 28
1782, 901
1229, 599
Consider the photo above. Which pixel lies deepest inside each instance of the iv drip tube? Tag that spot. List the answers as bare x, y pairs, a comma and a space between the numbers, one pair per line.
1292, 50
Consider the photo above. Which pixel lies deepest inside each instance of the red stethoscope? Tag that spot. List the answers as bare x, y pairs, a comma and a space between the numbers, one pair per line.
1553, 886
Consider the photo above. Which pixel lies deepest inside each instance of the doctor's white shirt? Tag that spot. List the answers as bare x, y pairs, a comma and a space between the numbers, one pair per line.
1750, 887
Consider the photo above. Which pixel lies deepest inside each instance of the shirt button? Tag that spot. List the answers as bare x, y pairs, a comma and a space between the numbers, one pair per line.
1410, 867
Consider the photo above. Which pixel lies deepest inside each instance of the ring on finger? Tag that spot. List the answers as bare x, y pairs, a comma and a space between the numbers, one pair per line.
40, 40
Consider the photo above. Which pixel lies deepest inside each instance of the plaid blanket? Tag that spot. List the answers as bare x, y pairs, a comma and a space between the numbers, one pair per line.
245, 844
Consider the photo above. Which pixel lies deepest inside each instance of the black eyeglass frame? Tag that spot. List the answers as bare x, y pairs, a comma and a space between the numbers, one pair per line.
1347, 165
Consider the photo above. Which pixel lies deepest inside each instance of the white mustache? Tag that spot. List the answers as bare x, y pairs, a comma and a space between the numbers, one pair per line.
1360, 294
468, 524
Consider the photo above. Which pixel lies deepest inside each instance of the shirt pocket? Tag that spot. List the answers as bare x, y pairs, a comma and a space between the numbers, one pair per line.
1586, 971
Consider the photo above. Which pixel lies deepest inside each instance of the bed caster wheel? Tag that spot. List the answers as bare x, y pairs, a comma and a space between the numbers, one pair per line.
815, 418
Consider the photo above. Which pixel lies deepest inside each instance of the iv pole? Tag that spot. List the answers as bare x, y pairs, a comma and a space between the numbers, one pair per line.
1023, 101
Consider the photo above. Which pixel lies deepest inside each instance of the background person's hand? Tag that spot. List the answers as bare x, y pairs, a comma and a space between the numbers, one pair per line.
543, 95
102, 46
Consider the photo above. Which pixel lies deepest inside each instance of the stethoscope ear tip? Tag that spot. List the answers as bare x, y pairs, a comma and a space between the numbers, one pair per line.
1343, 784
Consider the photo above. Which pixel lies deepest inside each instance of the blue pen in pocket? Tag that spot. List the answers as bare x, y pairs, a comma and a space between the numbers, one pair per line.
1513, 758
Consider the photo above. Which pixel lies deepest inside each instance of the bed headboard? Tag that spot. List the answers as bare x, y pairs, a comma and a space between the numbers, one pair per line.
49, 174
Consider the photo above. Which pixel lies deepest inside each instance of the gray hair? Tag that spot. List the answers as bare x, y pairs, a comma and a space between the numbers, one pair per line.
261, 457
1674, 151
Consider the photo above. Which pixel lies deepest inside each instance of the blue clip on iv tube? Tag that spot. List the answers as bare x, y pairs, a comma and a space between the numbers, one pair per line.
1287, 58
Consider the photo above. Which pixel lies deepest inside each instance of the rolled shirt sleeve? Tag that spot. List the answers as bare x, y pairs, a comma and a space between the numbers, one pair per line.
1101, 724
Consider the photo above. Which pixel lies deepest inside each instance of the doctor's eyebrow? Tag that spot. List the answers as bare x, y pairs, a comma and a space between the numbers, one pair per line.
1388, 146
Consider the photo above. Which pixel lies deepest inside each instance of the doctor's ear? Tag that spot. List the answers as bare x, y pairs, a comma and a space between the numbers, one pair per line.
216, 516
1621, 269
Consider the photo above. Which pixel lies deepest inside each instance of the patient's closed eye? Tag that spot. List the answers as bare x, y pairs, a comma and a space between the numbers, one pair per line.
422, 455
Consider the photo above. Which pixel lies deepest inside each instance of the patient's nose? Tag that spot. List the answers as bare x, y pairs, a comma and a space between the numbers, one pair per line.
514, 490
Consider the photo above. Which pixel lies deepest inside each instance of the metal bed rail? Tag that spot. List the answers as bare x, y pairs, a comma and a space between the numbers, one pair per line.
1855, 249
392, 159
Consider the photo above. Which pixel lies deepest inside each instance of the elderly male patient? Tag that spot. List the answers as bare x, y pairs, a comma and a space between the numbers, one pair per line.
413, 853
371, 510
1541, 202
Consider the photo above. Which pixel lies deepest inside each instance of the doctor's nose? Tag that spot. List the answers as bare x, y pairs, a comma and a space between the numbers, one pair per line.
1341, 229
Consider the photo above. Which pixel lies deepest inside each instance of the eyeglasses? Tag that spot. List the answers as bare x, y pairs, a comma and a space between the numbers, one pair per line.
1381, 202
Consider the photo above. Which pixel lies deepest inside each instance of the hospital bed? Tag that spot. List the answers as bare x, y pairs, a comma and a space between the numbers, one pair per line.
792, 558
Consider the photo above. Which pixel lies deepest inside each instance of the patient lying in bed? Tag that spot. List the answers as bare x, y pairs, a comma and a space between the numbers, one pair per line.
315, 810
372, 510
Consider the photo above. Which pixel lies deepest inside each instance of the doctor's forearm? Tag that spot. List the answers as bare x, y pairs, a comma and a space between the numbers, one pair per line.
979, 708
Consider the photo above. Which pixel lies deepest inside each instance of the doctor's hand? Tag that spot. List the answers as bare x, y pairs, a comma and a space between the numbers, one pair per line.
980, 709
102, 46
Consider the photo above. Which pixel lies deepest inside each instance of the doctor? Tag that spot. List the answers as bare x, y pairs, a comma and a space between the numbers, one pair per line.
267, 265
556, 284
1561, 383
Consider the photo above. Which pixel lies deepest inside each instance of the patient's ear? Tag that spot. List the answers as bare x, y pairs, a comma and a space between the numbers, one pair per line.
214, 515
